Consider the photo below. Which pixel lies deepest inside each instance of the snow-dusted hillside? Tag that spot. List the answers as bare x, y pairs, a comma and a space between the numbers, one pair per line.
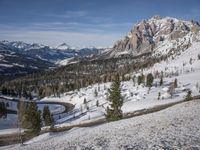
185, 68
174, 128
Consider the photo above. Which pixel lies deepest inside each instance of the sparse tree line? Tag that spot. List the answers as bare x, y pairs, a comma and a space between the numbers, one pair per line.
75, 76
82, 74
148, 82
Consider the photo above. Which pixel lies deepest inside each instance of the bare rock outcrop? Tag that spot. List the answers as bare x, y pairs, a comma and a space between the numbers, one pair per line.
149, 35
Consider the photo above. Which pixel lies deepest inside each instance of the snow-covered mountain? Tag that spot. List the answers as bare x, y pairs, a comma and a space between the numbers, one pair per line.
15, 64
159, 36
47, 53
63, 46
22, 46
19, 58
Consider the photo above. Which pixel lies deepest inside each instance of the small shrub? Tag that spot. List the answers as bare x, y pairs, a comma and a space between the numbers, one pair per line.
175, 83
190, 61
159, 95
189, 96
97, 103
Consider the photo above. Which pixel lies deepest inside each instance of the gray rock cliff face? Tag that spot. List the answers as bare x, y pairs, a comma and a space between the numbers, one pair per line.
149, 35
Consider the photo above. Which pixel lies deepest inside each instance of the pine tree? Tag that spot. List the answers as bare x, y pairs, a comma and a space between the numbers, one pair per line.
30, 96
114, 112
149, 80
4, 90
190, 61
95, 92
197, 87
161, 80
134, 80
175, 83
84, 101
33, 119
189, 96
21, 112
47, 117
139, 80
97, 103
21, 117
3, 110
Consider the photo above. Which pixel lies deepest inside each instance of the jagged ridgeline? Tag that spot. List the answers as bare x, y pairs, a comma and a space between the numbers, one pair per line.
149, 41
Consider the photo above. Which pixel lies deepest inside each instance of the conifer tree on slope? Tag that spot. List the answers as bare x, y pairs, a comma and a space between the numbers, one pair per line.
114, 112
33, 119
21, 117
47, 117
149, 80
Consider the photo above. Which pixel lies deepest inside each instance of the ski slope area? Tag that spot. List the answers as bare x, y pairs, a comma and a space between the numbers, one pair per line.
173, 128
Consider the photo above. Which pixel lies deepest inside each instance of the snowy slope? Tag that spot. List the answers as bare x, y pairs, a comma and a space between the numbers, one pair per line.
137, 97
181, 62
173, 128
66, 61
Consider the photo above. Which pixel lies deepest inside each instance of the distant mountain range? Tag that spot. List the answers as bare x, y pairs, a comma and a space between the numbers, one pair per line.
47, 53
18, 58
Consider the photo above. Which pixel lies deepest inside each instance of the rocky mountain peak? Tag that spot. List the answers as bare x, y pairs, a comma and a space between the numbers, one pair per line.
63, 46
156, 17
148, 35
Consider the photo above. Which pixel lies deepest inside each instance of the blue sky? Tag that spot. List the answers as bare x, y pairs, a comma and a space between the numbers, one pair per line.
84, 22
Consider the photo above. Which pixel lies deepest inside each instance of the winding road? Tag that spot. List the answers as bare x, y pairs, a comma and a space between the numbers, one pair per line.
68, 106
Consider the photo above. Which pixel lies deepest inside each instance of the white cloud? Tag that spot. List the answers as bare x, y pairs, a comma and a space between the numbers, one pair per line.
71, 14
68, 14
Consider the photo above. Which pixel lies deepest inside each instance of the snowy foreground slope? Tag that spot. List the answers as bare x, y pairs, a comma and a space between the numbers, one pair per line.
173, 128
